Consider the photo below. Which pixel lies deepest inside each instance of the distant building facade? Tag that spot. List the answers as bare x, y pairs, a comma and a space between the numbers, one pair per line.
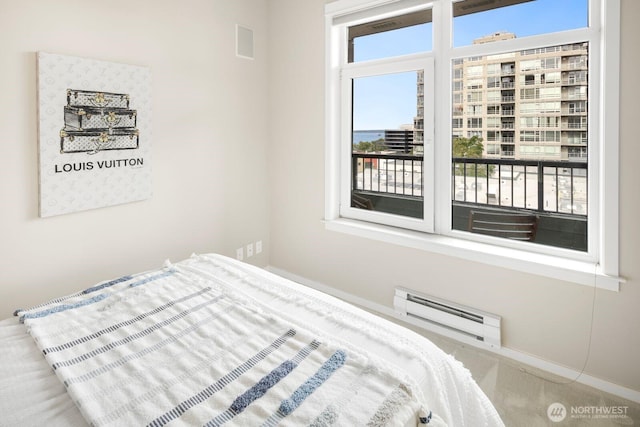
396, 140
529, 104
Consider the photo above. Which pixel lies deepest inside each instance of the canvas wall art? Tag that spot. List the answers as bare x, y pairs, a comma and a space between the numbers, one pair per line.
94, 133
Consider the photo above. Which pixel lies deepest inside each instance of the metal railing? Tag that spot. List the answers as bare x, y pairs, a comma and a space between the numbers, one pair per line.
538, 185
396, 173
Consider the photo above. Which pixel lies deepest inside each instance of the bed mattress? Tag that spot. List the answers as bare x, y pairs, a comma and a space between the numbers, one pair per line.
32, 391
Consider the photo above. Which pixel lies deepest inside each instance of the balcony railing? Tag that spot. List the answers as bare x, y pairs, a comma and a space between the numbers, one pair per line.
537, 185
574, 126
555, 190
393, 174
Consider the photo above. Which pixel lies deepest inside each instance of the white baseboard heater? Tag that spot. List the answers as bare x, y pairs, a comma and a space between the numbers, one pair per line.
447, 318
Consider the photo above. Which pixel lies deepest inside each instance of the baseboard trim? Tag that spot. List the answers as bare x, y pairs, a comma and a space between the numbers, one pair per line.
527, 359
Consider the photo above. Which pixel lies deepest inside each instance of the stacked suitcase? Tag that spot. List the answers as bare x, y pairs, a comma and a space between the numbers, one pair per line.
98, 121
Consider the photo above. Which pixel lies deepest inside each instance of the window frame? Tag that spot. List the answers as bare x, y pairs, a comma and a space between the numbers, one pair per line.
599, 266
380, 67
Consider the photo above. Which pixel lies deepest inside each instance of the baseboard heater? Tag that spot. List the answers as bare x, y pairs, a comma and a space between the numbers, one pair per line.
447, 318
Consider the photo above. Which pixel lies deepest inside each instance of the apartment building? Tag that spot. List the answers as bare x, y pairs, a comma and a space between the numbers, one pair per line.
529, 104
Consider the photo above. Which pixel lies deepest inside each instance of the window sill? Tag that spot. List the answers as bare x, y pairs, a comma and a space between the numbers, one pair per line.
574, 271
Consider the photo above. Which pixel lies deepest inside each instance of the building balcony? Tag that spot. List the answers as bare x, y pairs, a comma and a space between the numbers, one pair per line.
577, 157
575, 141
575, 82
574, 126
573, 66
573, 112
556, 191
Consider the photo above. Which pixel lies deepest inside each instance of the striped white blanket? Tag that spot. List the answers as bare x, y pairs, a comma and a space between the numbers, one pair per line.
181, 346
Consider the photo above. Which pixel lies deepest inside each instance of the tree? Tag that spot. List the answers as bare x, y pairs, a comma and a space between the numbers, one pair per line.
470, 148
370, 146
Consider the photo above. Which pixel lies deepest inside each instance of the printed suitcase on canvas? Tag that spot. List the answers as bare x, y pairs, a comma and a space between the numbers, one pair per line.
86, 98
88, 118
93, 141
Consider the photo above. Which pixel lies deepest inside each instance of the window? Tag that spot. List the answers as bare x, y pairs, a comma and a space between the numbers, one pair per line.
474, 96
493, 109
550, 63
530, 65
577, 107
493, 69
579, 122
474, 71
539, 107
474, 123
530, 84
577, 92
539, 122
474, 84
474, 110
576, 77
492, 122
550, 78
575, 62
493, 149
540, 136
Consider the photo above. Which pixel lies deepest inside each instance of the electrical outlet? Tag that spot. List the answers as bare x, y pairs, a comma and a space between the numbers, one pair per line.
240, 254
258, 247
249, 250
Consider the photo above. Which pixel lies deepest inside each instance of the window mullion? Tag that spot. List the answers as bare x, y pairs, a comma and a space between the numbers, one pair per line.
442, 46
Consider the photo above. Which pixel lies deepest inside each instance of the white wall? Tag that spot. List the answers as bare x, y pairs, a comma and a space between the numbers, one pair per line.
546, 318
209, 141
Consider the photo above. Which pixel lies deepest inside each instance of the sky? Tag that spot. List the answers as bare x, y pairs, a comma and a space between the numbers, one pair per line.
386, 102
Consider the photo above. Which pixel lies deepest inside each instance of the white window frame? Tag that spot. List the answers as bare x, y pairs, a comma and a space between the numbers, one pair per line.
352, 71
599, 265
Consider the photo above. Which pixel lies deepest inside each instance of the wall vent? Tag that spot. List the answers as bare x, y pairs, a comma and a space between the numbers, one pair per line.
244, 42
447, 318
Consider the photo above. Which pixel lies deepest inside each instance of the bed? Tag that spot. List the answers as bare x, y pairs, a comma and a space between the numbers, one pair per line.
212, 341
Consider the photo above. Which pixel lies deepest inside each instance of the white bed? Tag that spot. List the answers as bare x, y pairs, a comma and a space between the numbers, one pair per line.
116, 348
